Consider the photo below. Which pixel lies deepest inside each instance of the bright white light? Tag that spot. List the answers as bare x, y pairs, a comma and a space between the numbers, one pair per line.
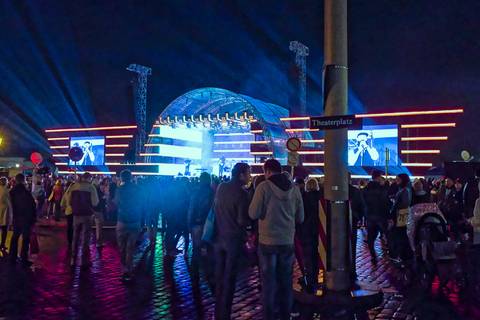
185, 134
17, 165
167, 150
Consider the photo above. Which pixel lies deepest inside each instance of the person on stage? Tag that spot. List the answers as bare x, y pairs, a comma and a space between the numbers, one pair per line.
364, 153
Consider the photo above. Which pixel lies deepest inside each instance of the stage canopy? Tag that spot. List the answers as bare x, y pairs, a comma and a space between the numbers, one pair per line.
214, 101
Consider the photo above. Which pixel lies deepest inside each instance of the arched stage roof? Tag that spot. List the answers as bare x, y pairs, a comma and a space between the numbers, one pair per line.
213, 101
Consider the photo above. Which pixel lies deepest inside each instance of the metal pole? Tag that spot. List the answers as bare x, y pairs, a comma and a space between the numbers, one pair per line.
338, 275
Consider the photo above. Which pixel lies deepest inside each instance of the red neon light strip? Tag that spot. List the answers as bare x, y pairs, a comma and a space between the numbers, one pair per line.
256, 131
295, 119
60, 155
114, 154
311, 152
58, 147
92, 172
90, 129
57, 139
408, 113
441, 138
120, 136
301, 130
313, 141
428, 125
420, 151
417, 164
313, 164
116, 145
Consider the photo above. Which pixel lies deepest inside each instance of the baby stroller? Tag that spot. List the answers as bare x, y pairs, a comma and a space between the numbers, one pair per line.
435, 253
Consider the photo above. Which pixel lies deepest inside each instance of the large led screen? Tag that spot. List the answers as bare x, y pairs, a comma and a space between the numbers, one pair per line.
368, 147
93, 150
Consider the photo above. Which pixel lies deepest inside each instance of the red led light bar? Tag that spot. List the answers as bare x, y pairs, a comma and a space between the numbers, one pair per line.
428, 125
57, 139
408, 113
90, 129
420, 152
441, 138
120, 136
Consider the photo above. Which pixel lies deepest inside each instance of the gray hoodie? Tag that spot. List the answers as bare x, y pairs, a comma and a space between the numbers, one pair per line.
278, 205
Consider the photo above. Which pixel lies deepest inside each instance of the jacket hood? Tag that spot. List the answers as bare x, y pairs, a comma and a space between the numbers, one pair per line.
283, 186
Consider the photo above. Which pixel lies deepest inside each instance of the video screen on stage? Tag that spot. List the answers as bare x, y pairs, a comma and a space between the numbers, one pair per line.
368, 147
93, 150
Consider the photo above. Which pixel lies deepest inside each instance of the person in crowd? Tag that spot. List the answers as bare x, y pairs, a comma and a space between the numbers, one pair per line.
67, 208
278, 206
200, 205
128, 199
5, 213
101, 210
231, 219
420, 195
400, 249
184, 189
308, 232
175, 207
450, 202
358, 207
24, 218
82, 197
55, 199
377, 208
38, 193
471, 194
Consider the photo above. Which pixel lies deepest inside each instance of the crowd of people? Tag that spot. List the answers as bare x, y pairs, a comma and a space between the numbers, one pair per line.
272, 215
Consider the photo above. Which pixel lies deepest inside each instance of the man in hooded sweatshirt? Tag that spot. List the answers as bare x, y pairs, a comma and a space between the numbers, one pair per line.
278, 206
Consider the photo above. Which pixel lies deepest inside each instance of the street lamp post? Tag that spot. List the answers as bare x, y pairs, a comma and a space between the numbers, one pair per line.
338, 277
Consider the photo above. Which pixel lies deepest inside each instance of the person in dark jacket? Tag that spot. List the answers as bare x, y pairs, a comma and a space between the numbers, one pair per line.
128, 199
200, 205
357, 205
420, 195
398, 241
231, 219
82, 197
450, 203
471, 194
24, 218
308, 232
377, 209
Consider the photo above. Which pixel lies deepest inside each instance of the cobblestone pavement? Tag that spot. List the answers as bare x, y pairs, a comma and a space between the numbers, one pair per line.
165, 289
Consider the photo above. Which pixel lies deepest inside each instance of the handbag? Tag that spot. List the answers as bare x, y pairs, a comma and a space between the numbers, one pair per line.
34, 246
209, 231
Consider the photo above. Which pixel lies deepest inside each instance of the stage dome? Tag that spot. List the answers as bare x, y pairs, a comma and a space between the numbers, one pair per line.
206, 125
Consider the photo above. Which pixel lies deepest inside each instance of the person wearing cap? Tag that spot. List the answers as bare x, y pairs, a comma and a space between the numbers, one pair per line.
24, 218
128, 200
82, 198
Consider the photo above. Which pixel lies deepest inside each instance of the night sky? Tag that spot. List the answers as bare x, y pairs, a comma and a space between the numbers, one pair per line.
62, 63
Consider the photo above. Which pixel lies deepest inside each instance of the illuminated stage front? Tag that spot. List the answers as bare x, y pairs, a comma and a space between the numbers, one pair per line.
210, 129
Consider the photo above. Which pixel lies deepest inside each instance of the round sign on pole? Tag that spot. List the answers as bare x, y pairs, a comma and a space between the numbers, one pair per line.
36, 158
294, 144
75, 154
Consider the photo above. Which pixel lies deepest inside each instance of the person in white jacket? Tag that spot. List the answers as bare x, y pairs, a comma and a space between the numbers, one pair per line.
5, 212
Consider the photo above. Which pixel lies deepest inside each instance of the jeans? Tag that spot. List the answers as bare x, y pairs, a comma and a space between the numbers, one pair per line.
82, 229
127, 235
70, 229
4, 230
311, 259
227, 254
197, 232
98, 228
18, 231
374, 226
276, 269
